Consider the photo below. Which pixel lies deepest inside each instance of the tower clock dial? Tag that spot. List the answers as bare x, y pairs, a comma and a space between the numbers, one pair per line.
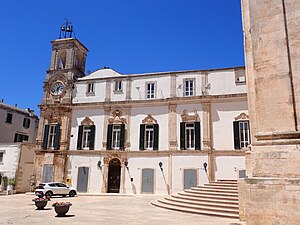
57, 88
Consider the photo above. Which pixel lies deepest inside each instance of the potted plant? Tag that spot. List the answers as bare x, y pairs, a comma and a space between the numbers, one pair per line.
11, 185
40, 203
61, 208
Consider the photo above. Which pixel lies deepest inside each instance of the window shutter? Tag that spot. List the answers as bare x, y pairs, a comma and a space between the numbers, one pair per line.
236, 135
249, 132
122, 137
109, 136
45, 140
92, 141
79, 138
142, 136
156, 136
182, 135
197, 136
57, 137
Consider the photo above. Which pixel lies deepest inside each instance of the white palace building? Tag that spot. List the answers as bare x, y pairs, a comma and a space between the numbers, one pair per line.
156, 133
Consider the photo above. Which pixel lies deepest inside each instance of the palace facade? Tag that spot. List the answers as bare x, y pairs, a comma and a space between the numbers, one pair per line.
108, 132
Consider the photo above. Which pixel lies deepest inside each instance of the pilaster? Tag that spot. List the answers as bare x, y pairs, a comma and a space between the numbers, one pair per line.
172, 126
128, 88
105, 123
173, 86
108, 91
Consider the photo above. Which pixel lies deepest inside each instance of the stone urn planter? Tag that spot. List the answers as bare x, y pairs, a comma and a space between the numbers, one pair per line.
40, 203
61, 208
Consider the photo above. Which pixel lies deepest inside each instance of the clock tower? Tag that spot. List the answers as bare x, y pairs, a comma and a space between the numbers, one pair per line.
67, 64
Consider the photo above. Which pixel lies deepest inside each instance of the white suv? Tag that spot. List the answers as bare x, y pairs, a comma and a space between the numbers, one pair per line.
54, 188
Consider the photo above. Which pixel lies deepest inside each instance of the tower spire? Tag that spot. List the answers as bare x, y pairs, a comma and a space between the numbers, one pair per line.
66, 30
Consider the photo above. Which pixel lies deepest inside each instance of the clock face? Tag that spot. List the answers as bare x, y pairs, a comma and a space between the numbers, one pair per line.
57, 88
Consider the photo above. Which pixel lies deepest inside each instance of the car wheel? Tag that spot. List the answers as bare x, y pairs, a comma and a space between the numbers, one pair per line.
72, 193
48, 194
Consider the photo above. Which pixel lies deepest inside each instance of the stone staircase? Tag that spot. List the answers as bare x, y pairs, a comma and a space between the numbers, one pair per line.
214, 199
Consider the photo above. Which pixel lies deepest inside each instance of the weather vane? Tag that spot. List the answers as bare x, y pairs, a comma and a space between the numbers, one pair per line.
66, 30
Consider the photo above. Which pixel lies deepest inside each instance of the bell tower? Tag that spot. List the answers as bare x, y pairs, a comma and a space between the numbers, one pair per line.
67, 64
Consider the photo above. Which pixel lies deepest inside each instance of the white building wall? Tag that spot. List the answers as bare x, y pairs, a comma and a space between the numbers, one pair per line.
159, 113
97, 116
223, 115
11, 157
139, 87
227, 167
115, 95
180, 83
223, 82
80, 92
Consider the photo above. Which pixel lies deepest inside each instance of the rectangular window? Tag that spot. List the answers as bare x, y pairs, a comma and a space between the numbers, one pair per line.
90, 88
189, 87
150, 90
116, 134
51, 136
244, 134
241, 132
190, 136
9, 118
149, 136
118, 86
20, 137
1, 157
26, 123
86, 137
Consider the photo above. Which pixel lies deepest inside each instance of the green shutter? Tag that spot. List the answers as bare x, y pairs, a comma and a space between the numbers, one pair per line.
122, 137
109, 136
156, 136
197, 136
57, 137
79, 138
142, 136
236, 134
46, 135
92, 141
182, 135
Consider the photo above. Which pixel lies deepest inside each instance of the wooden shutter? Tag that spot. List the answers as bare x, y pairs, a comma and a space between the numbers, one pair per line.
46, 135
122, 137
109, 136
236, 135
197, 136
156, 136
142, 136
182, 135
57, 137
92, 140
79, 138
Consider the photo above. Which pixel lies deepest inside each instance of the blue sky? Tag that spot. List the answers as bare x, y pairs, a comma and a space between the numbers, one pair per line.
130, 36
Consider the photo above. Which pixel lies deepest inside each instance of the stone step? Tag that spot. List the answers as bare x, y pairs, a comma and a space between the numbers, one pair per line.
227, 181
219, 190
203, 203
212, 193
208, 200
196, 211
217, 187
211, 196
215, 184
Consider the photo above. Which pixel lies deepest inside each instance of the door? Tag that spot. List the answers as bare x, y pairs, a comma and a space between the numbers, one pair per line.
114, 173
190, 178
82, 179
47, 173
148, 181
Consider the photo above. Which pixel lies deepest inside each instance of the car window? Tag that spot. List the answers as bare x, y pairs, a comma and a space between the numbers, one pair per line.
52, 185
41, 186
61, 185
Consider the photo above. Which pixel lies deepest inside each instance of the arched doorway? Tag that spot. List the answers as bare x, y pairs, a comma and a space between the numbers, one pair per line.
114, 174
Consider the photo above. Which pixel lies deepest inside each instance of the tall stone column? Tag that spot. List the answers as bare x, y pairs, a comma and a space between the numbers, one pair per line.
122, 183
172, 126
105, 123
271, 30
105, 175
108, 91
128, 88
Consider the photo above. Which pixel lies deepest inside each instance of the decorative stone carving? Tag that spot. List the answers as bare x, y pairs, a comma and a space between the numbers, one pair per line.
87, 121
117, 118
149, 120
55, 114
242, 116
190, 117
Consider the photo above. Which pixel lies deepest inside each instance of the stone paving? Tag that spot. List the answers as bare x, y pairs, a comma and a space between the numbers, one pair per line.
103, 209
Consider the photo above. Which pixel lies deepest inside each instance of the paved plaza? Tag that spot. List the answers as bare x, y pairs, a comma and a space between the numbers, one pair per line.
103, 209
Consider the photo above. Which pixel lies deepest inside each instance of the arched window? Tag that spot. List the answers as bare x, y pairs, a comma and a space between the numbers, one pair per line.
116, 132
86, 134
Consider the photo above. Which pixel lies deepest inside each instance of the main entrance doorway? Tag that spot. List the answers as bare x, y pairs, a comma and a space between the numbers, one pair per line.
82, 179
190, 178
114, 173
